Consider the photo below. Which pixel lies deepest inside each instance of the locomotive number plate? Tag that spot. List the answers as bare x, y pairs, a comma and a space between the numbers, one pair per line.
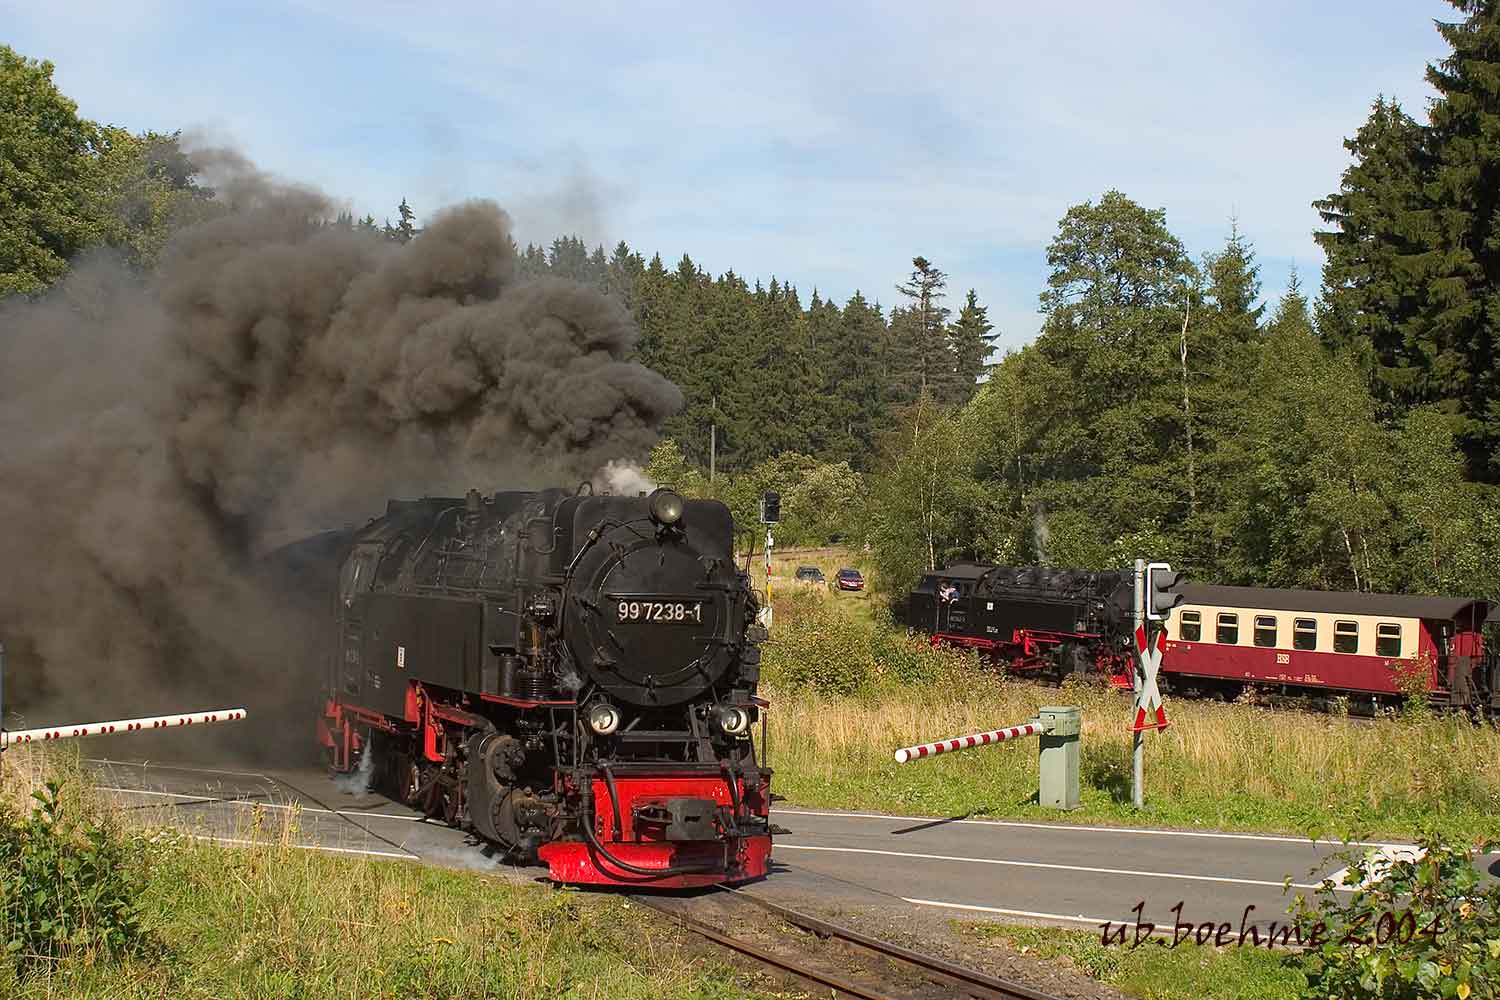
666, 612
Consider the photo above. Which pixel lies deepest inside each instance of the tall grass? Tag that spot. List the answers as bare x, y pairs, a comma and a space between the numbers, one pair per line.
272, 920
845, 694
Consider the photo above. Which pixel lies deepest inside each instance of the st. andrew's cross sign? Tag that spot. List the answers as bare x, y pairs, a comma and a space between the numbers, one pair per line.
1148, 698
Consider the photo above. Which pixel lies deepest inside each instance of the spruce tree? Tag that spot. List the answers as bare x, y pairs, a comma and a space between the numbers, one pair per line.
405, 229
971, 343
1218, 343
860, 402
1464, 190
569, 258
624, 272
1376, 279
926, 361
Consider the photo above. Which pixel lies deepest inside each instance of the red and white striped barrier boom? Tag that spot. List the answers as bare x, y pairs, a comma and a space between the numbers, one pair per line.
120, 726
1031, 728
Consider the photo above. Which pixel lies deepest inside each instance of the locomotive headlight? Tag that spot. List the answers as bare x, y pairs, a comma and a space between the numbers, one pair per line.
666, 507
733, 720
604, 719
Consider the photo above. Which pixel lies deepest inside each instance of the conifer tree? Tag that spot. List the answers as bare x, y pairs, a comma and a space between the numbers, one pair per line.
971, 343
405, 229
925, 360
1464, 295
1378, 267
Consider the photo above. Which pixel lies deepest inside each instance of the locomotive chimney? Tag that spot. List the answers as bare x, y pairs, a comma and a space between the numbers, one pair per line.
472, 507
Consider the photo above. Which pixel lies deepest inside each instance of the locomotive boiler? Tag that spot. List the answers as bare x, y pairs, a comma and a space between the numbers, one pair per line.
570, 676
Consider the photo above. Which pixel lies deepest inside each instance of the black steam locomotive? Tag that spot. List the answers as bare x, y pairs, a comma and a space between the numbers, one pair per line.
571, 676
1040, 621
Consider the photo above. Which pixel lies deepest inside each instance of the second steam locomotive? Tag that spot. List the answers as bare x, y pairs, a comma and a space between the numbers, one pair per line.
573, 677
1369, 649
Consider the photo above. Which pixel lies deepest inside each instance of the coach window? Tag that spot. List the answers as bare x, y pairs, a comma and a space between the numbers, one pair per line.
1387, 639
1190, 626
1346, 637
1304, 633
1229, 630
1265, 630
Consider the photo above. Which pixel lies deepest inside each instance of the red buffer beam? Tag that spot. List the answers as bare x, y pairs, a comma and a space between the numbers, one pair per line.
120, 726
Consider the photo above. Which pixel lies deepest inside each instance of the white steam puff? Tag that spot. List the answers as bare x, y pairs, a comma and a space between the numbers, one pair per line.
622, 478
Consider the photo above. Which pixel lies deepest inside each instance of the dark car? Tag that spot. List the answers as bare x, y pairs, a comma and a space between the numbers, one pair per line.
810, 574
849, 579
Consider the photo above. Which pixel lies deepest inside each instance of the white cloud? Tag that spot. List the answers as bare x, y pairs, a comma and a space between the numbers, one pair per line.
823, 143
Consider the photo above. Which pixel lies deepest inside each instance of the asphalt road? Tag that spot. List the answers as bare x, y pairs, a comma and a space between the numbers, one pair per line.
1062, 873
1055, 873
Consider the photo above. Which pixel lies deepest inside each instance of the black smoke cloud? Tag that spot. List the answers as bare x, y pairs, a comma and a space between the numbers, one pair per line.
276, 375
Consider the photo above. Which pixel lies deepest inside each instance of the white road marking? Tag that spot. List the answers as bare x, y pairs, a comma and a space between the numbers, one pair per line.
1047, 866
1380, 860
213, 800
305, 847
1093, 921
173, 767
1208, 834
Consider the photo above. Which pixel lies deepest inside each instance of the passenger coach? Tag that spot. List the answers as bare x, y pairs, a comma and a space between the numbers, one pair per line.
1306, 642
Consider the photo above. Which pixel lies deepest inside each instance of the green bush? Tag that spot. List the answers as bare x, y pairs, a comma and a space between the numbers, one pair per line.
818, 645
1428, 928
69, 884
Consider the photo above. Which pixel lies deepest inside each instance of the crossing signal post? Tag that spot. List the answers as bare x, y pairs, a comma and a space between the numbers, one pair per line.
1157, 591
770, 516
1163, 591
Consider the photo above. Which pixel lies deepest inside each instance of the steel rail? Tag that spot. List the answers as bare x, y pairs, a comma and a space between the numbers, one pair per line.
936, 971
949, 972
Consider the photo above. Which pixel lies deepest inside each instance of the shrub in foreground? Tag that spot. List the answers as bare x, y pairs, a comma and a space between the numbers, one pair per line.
69, 884
1427, 928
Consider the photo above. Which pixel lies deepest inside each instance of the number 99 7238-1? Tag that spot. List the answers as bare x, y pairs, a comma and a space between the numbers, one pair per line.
668, 612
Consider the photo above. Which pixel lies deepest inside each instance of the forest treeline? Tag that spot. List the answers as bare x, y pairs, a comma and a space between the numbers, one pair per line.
1347, 438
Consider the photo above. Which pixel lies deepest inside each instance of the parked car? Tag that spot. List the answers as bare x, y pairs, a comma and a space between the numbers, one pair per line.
849, 579
810, 574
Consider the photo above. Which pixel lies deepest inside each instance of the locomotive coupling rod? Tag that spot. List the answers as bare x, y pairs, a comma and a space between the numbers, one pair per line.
73, 730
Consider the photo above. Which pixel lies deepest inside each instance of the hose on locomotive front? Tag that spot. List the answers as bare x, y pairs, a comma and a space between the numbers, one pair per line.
614, 796
734, 794
667, 872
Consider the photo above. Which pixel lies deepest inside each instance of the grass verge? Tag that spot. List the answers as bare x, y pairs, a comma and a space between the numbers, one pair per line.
845, 693
273, 921
1154, 970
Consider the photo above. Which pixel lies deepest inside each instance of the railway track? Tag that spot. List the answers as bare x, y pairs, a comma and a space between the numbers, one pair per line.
865, 967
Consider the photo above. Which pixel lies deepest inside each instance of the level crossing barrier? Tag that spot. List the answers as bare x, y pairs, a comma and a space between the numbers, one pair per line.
1060, 728
148, 724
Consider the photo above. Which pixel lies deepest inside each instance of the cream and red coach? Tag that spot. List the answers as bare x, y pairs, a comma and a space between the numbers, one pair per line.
1309, 642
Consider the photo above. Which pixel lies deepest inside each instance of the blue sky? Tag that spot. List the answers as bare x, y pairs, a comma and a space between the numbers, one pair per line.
822, 143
